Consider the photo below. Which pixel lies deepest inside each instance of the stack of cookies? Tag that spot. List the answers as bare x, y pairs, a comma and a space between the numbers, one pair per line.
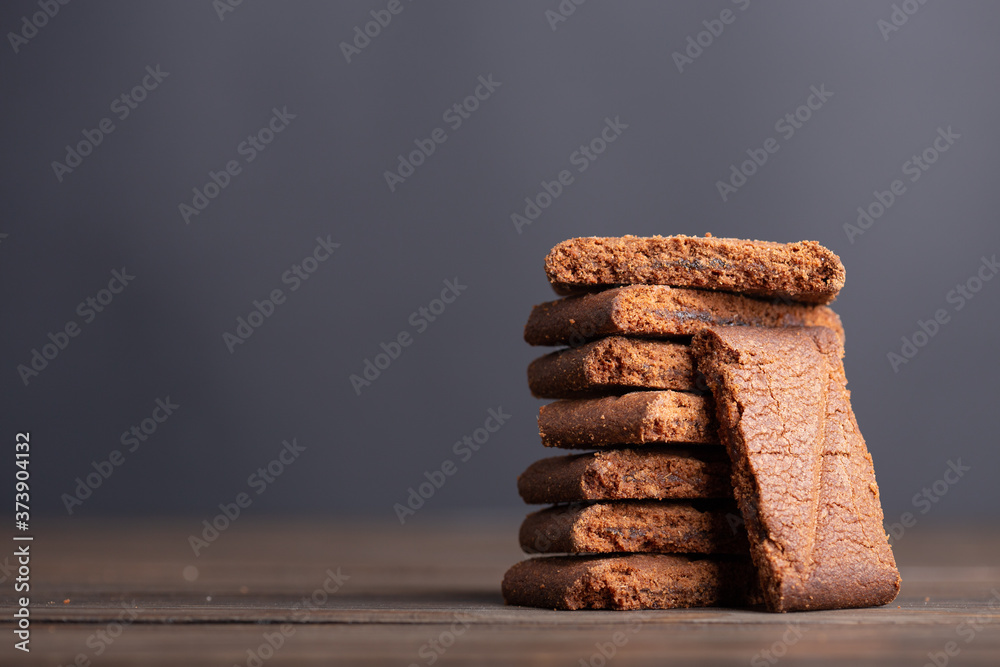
705, 376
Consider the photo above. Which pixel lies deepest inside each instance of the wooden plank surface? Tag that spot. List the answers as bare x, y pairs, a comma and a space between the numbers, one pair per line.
131, 592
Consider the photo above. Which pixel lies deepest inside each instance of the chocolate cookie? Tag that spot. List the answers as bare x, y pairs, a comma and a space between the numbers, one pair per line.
635, 581
804, 271
657, 311
650, 472
612, 365
803, 477
632, 419
636, 526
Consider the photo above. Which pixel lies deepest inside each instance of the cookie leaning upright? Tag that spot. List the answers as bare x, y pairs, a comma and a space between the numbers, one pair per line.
804, 479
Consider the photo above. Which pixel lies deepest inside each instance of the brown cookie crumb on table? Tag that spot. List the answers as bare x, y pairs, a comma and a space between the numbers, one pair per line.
612, 365
658, 311
633, 419
630, 582
649, 472
803, 477
657, 526
804, 271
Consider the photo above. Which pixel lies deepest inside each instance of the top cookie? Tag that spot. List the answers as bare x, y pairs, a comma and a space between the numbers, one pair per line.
804, 271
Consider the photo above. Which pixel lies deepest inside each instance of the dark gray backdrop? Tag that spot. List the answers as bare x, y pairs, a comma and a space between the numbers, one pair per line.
323, 175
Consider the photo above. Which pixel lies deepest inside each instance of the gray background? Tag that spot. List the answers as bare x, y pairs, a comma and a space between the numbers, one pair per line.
324, 176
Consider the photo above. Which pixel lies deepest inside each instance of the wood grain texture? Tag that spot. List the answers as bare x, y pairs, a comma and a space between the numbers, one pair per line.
411, 589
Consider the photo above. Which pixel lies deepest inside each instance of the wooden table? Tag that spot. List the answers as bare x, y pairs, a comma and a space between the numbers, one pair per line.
133, 592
